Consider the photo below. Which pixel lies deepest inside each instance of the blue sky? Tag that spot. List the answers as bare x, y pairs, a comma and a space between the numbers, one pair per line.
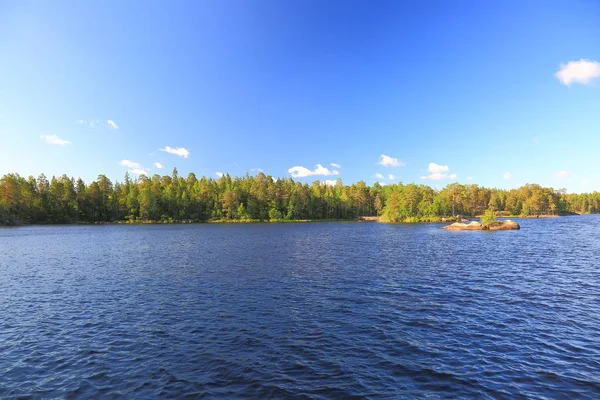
498, 93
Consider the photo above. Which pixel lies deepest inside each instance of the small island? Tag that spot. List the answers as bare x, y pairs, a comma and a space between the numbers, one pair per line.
488, 223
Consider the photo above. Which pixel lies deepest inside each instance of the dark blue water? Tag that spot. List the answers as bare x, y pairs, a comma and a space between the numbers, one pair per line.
323, 310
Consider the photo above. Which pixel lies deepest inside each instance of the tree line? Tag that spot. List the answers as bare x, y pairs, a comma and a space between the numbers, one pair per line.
262, 198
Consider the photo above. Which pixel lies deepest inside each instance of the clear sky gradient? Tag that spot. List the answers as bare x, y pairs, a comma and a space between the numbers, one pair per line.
469, 91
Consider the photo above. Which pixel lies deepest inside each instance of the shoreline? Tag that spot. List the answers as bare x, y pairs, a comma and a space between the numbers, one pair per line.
187, 222
408, 221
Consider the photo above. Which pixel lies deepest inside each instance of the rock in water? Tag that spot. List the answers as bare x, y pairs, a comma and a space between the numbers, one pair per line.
476, 226
507, 225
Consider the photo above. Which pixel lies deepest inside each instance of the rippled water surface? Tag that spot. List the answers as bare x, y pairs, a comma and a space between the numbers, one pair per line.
323, 310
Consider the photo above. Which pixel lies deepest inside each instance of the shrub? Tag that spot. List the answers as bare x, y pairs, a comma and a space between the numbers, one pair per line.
489, 218
275, 214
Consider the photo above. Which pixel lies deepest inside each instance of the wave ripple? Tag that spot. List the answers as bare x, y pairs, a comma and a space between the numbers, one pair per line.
303, 311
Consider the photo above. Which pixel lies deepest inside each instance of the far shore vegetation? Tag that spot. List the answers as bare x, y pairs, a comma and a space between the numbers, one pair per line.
262, 198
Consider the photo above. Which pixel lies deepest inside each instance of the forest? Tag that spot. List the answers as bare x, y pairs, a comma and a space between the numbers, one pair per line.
64, 200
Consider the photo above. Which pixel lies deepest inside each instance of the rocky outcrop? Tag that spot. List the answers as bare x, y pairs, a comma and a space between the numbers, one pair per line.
476, 226
507, 225
369, 218
459, 226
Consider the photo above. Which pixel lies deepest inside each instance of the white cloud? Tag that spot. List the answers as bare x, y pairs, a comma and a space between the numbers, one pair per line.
582, 71
53, 139
92, 123
329, 182
158, 165
562, 174
130, 164
469, 178
434, 177
388, 161
178, 151
381, 176
507, 175
436, 168
256, 170
136, 168
219, 174
302, 172
334, 165
438, 172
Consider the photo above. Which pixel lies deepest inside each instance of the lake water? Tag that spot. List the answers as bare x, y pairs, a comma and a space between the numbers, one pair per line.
315, 310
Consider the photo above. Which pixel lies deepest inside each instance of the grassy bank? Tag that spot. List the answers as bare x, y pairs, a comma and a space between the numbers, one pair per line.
416, 220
